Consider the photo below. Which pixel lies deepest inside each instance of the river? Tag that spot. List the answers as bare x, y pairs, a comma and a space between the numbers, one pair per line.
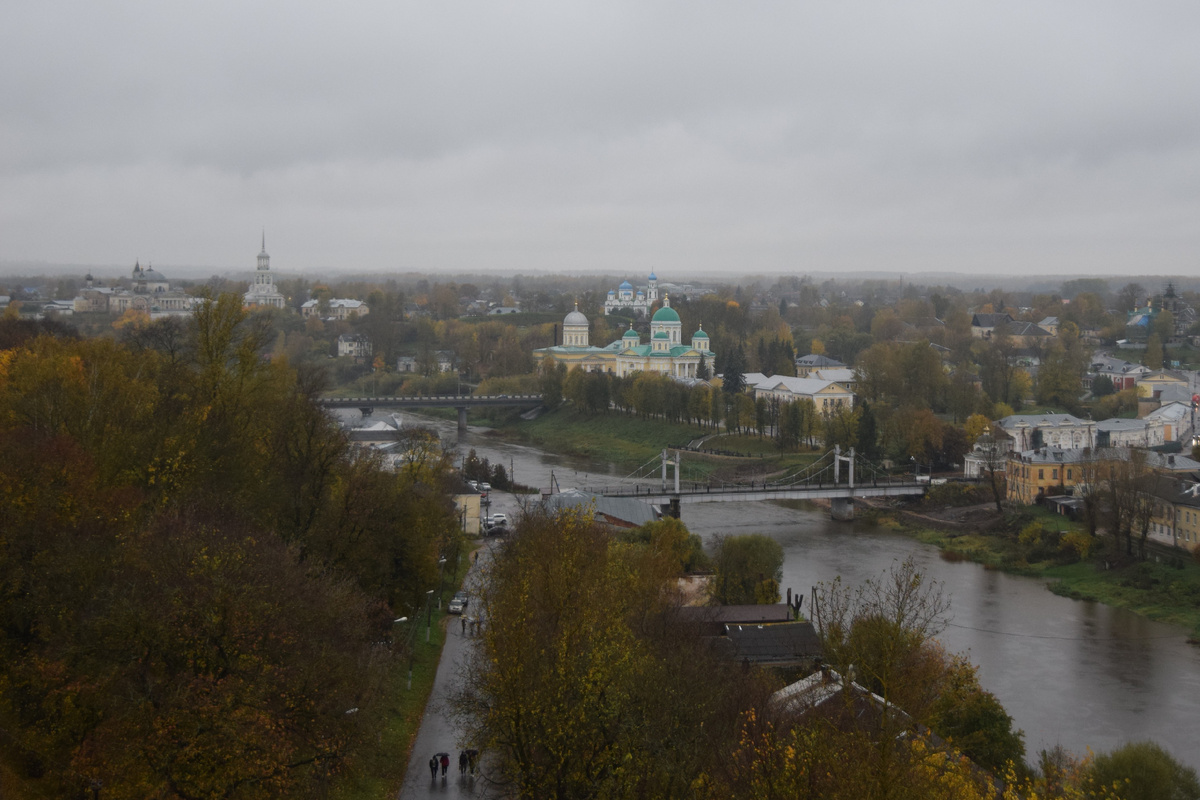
1070, 672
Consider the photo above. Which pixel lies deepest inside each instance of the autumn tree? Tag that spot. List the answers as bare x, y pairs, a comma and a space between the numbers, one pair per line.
748, 570
1153, 357
580, 681
193, 567
1145, 771
883, 632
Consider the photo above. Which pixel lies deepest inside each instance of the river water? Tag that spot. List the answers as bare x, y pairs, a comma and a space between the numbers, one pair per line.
1070, 672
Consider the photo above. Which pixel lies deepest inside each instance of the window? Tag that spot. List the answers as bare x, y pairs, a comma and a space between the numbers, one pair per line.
1054, 474
1068, 474
1041, 474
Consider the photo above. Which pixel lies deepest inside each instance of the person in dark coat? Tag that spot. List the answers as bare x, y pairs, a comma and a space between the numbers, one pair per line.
433, 765
445, 764
462, 763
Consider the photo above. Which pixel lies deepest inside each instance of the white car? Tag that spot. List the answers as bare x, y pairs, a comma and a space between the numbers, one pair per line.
485, 487
458, 603
496, 520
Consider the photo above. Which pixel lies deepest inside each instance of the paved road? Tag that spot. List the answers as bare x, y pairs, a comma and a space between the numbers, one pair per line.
439, 731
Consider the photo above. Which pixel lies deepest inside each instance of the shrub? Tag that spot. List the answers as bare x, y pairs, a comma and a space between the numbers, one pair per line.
1076, 545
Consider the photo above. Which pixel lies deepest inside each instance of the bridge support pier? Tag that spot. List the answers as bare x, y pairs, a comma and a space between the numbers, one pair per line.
671, 509
462, 418
842, 508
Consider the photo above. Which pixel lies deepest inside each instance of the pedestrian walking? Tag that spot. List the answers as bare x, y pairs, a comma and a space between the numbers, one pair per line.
433, 765
464, 626
462, 763
445, 763
471, 759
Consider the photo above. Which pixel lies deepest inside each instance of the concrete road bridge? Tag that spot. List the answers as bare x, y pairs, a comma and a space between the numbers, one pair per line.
462, 402
824, 479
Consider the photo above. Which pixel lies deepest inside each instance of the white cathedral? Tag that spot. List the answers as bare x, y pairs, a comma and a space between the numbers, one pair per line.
665, 354
625, 297
262, 290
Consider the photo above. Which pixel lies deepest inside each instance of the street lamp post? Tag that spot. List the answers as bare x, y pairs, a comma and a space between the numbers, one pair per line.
397, 621
428, 614
441, 567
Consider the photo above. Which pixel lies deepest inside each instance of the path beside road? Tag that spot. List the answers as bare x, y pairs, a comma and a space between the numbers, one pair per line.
439, 731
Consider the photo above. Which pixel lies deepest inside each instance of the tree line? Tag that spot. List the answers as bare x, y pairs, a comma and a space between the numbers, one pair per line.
198, 577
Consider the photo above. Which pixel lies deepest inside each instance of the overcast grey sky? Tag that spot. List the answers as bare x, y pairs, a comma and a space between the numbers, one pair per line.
1026, 137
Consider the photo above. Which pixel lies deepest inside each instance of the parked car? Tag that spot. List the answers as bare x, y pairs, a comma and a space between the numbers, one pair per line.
484, 486
495, 520
458, 603
474, 485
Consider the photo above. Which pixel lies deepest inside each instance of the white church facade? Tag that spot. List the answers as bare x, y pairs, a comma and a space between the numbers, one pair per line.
262, 293
624, 296
665, 353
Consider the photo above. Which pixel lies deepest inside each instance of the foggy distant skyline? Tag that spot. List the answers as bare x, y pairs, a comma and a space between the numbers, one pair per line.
1024, 138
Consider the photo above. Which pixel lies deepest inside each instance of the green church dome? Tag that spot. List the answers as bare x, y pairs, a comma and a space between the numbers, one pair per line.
665, 314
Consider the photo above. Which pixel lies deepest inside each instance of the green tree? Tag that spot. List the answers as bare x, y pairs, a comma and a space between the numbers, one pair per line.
1059, 379
974, 720
583, 680
1164, 325
553, 375
733, 379
1102, 386
1153, 357
748, 570
1145, 771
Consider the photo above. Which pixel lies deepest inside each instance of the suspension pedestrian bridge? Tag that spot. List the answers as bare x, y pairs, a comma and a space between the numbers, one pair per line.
835, 476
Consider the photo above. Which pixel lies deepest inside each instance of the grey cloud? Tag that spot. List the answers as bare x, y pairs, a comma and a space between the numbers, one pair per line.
697, 135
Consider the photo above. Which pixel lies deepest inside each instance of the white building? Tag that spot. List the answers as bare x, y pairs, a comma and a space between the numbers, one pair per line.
1175, 417
151, 294
624, 296
339, 308
353, 345
665, 353
262, 291
1115, 432
827, 396
1030, 431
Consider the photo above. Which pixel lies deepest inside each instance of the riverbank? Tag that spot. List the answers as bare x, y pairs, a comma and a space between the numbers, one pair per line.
630, 441
1035, 543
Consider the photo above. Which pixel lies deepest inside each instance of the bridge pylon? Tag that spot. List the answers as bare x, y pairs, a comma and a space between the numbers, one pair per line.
842, 508
667, 460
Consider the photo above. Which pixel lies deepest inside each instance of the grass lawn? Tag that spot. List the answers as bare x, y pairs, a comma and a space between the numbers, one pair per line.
1163, 592
625, 440
741, 443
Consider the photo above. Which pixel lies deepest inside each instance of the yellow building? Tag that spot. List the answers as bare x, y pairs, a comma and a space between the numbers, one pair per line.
1032, 472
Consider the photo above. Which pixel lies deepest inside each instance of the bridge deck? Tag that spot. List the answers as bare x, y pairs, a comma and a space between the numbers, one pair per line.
659, 496
433, 401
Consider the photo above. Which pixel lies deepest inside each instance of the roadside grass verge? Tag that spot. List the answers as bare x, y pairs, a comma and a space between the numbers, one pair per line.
379, 772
